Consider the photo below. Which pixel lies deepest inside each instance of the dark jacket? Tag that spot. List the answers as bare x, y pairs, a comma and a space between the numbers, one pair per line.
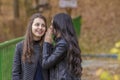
55, 60
26, 71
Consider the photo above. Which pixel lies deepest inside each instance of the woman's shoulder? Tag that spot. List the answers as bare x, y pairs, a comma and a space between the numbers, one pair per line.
19, 44
62, 42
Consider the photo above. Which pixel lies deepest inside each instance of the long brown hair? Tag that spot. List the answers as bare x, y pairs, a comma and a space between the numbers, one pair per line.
62, 23
28, 41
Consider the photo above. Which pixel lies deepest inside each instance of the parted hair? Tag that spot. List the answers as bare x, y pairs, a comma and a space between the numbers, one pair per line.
28, 41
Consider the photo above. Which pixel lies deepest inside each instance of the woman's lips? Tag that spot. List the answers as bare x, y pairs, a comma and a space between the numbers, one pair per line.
39, 32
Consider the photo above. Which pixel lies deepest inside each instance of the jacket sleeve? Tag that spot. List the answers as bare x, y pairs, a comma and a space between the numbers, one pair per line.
16, 69
51, 58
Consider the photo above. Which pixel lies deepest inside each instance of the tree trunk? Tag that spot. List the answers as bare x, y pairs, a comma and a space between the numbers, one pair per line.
16, 8
28, 7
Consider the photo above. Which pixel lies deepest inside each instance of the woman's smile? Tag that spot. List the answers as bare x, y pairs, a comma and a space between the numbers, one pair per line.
38, 28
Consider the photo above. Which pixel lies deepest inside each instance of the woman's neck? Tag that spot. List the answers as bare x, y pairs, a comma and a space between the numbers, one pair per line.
36, 39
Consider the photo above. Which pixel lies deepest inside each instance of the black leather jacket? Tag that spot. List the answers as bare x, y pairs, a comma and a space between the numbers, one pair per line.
55, 60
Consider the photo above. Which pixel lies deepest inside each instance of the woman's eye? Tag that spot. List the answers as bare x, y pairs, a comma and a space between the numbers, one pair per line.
37, 24
43, 25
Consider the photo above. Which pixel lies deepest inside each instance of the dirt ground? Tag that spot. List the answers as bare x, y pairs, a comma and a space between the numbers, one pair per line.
95, 69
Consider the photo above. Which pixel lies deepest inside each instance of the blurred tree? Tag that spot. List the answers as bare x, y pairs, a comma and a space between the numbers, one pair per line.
0, 5
42, 5
16, 8
36, 2
28, 7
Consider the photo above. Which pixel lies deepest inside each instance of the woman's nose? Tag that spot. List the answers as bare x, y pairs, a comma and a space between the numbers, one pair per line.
40, 27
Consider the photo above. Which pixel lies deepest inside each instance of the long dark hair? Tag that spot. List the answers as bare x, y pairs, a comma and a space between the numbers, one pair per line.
62, 23
28, 41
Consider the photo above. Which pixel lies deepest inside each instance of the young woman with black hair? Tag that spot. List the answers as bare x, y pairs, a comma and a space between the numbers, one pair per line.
64, 58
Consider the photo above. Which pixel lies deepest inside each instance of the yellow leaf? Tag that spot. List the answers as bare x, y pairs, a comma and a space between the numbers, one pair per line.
116, 77
118, 56
117, 44
105, 76
114, 50
99, 71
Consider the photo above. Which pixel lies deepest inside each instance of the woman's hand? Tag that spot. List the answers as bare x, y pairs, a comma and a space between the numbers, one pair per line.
48, 36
